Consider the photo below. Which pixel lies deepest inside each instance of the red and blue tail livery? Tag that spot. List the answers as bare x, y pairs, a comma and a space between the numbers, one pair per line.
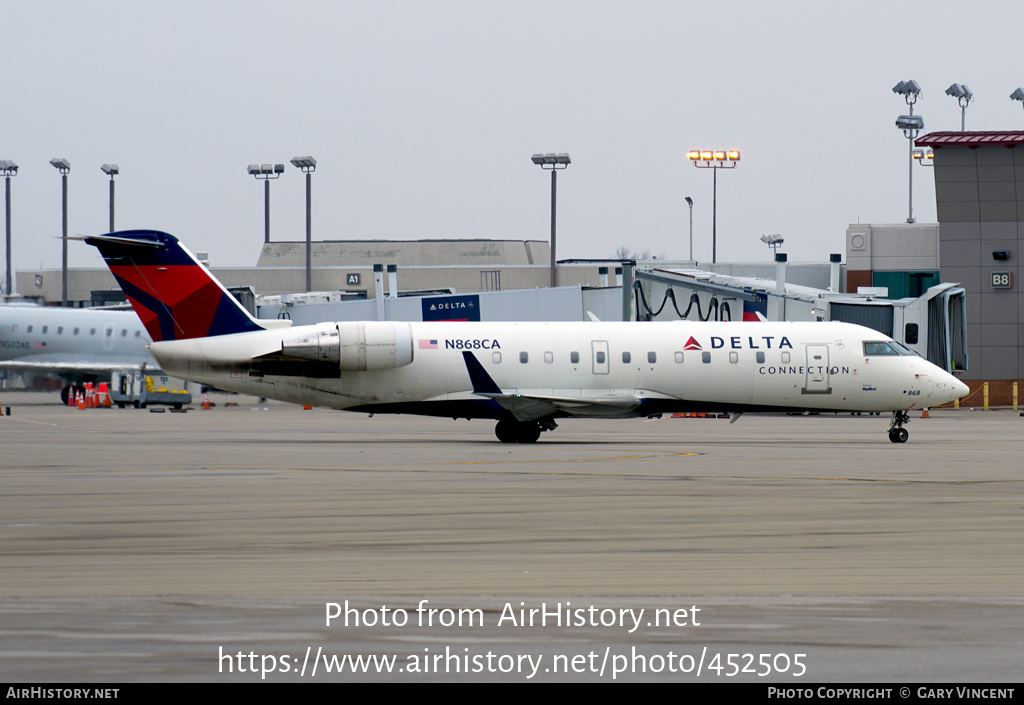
173, 294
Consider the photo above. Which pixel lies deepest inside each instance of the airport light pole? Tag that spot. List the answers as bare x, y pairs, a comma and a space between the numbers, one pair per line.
9, 169
111, 170
266, 172
712, 159
963, 96
308, 166
64, 167
554, 163
689, 202
911, 125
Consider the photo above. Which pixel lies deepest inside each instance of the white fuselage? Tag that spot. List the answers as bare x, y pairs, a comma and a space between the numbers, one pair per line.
665, 366
70, 341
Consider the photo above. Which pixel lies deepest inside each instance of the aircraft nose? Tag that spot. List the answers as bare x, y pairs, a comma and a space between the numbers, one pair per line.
960, 390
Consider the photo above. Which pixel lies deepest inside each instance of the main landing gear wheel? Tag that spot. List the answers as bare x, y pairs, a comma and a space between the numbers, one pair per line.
898, 434
510, 431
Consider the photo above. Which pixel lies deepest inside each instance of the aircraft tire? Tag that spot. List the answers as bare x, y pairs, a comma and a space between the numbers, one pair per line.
898, 435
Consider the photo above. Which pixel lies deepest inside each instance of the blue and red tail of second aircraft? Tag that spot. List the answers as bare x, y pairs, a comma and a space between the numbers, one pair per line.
175, 296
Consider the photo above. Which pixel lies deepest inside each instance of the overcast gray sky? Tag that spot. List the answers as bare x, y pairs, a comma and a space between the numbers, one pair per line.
423, 116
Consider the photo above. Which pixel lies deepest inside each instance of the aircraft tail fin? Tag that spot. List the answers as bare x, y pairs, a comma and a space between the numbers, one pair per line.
173, 294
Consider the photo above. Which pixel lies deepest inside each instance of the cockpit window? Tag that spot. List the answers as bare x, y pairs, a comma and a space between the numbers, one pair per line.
886, 347
879, 348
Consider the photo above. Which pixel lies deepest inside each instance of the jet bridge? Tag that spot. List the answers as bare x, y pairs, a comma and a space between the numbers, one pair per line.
933, 325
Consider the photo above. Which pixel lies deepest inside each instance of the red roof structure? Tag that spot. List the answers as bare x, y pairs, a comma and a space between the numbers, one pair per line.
971, 139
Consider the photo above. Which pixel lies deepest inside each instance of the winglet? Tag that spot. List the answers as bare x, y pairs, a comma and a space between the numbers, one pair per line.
482, 382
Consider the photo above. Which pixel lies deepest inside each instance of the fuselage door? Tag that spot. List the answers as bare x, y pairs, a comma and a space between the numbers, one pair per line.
599, 350
817, 379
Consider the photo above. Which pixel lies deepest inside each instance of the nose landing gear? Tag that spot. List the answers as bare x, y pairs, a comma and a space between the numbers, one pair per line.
898, 434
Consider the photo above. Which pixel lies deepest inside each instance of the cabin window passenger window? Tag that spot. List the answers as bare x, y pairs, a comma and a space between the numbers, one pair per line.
138, 334
652, 357
705, 357
760, 357
46, 328
496, 357
599, 357
524, 357
785, 358
124, 332
734, 357
14, 328
679, 356
626, 357
110, 332
549, 357
75, 331
29, 329
574, 357
60, 330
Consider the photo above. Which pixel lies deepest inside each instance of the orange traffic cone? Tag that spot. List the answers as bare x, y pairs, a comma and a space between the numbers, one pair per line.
80, 400
206, 401
924, 414
104, 397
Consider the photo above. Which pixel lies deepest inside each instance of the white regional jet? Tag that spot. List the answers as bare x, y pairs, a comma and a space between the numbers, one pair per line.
524, 375
75, 344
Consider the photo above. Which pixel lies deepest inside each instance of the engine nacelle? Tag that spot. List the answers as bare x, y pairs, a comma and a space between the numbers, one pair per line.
356, 347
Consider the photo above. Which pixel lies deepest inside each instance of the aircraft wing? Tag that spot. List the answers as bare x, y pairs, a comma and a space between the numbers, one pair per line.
58, 368
526, 406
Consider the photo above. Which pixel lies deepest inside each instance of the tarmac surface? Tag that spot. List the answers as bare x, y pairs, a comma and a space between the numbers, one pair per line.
212, 546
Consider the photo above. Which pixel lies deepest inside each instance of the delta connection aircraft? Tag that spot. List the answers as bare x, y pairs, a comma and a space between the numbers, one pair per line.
524, 375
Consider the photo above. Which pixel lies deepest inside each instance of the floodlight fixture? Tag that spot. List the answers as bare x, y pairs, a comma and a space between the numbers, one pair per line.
551, 160
8, 167
266, 171
964, 96
307, 164
908, 89
553, 163
910, 122
924, 156
1018, 95
714, 159
61, 165
773, 241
